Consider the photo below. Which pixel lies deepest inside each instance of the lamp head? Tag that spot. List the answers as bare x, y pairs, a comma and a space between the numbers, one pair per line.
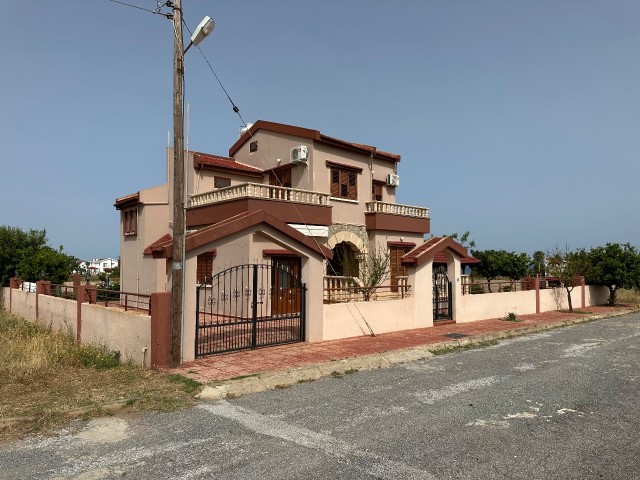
205, 28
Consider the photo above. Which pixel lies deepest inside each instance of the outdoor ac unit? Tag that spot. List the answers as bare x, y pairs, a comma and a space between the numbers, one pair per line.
300, 155
393, 180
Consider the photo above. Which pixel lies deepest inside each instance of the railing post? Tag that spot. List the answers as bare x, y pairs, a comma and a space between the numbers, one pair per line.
536, 284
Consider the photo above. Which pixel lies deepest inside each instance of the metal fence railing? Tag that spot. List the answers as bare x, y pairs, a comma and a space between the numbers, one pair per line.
473, 286
63, 291
123, 300
364, 294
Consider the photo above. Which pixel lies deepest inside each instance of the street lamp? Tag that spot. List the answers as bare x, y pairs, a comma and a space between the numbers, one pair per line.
201, 32
177, 268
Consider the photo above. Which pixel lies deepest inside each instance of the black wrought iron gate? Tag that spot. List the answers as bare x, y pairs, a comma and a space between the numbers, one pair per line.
249, 306
442, 307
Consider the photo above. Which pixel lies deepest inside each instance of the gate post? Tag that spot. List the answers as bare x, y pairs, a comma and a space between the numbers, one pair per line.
160, 329
254, 314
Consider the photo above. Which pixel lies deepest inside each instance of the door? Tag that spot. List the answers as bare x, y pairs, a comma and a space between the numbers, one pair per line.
285, 295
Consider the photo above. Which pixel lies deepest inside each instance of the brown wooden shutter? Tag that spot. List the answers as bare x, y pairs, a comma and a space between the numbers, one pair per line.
205, 267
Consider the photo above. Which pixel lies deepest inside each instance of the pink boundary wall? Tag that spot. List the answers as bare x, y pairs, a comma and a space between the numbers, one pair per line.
139, 338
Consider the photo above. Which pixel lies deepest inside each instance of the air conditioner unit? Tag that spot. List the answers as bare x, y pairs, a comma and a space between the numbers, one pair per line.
300, 155
393, 180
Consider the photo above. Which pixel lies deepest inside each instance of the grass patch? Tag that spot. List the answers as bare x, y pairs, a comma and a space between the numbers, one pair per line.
468, 346
337, 374
282, 386
48, 380
188, 385
628, 296
350, 371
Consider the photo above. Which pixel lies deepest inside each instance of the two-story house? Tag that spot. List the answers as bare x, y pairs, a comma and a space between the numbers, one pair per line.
338, 194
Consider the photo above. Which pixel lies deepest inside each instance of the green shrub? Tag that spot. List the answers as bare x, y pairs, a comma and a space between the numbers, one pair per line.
511, 317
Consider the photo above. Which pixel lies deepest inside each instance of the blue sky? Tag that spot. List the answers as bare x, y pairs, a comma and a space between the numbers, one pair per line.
516, 120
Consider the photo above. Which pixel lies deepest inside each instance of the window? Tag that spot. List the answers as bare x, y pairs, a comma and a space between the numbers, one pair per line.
344, 183
130, 221
253, 146
221, 182
205, 267
281, 177
396, 269
376, 190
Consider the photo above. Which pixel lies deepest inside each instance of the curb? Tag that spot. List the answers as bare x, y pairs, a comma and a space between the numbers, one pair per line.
273, 380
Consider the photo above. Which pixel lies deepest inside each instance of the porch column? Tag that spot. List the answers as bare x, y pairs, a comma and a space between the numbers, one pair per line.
453, 272
312, 276
422, 286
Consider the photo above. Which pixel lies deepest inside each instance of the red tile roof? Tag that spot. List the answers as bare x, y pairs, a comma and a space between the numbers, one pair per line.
435, 248
163, 247
157, 245
206, 160
127, 201
314, 135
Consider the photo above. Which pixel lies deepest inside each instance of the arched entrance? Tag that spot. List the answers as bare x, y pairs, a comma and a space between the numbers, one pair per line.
345, 262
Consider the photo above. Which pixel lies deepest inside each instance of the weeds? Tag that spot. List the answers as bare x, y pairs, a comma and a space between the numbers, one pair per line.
48, 379
512, 317
468, 346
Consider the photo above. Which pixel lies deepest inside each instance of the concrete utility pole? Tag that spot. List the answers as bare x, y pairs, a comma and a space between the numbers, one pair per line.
177, 264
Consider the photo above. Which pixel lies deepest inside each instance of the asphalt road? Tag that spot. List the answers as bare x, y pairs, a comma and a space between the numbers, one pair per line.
559, 404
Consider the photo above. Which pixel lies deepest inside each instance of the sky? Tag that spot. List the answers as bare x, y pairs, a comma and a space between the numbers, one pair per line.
518, 121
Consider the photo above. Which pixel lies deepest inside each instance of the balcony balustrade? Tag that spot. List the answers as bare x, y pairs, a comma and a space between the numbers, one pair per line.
397, 209
259, 191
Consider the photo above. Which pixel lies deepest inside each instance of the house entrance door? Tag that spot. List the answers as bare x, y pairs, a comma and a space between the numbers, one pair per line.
285, 293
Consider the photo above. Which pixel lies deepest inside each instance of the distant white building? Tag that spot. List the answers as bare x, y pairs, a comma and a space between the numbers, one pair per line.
102, 265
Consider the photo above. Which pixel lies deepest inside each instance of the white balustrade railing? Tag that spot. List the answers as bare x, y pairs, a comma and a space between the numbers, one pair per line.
257, 190
397, 209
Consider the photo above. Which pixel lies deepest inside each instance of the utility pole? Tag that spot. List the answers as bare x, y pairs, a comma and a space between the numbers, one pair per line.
177, 264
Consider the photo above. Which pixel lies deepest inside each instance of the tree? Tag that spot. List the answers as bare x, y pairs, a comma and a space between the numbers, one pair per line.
539, 267
369, 270
491, 264
500, 263
567, 267
614, 266
516, 265
16, 244
463, 239
47, 264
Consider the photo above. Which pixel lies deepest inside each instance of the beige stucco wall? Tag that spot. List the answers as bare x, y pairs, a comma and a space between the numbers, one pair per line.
273, 146
22, 304
127, 333
496, 305
138, 274
343, 320
58, 314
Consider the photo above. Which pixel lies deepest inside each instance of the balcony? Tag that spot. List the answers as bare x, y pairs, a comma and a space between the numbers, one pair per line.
396, 217
290, 205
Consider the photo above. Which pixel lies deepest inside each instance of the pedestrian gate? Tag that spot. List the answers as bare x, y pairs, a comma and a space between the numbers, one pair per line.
442, 307
250, 306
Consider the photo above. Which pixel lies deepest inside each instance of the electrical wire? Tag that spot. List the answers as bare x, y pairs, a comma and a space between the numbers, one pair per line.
157, 11
266, 162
